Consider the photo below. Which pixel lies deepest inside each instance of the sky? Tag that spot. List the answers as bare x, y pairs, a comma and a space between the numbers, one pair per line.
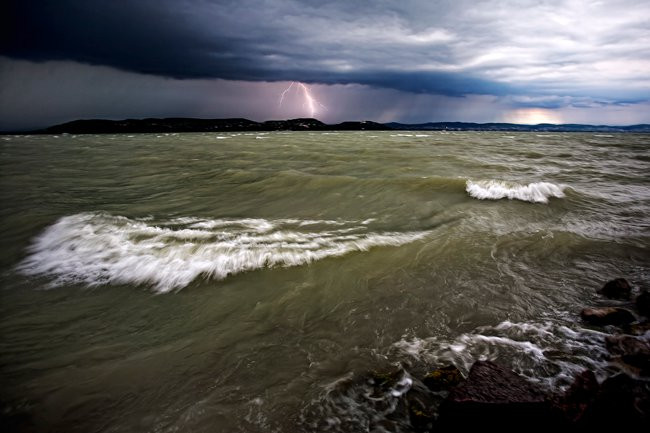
565, 61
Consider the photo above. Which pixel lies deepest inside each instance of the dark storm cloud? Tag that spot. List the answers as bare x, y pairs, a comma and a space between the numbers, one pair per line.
139, 36
446, 47
195, 39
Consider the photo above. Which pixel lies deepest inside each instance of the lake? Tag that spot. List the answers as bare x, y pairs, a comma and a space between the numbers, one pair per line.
245, 282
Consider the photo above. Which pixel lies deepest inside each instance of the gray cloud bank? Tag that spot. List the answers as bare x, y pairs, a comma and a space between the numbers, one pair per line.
577, 48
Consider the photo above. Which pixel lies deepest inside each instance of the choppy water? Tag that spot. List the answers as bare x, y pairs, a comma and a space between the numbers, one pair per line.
244, 282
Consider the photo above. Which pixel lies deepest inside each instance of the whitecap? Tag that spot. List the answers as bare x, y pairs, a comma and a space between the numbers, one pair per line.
536, 192
97, 248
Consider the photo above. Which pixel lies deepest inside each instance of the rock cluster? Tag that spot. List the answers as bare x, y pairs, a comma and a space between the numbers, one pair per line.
629, 346
497, 397
493, 396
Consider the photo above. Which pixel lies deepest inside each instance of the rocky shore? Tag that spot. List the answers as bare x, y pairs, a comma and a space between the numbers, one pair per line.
493, 396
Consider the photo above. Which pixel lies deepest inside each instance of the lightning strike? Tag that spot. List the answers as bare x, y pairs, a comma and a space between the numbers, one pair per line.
310, 102
284, 93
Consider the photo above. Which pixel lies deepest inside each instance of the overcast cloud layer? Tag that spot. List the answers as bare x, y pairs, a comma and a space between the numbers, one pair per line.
554, 55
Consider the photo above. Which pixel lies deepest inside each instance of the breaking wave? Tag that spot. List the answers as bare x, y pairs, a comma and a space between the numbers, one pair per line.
98, 248
536, 192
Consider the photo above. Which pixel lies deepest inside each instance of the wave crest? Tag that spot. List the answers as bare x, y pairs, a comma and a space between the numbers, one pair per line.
96, 249
536, 192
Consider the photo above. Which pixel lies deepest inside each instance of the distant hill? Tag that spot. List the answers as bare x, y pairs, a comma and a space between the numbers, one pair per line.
542, 127
182, 124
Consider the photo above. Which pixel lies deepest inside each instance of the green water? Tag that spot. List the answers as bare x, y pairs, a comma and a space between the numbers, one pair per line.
239, 282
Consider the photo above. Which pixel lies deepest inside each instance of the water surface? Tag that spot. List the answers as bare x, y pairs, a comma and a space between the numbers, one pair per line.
244, 282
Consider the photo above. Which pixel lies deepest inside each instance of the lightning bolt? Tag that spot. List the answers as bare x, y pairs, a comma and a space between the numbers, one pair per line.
310, 102
284, 93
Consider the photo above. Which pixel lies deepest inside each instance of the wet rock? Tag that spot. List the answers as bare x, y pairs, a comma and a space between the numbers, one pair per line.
639, 328
422, 405
421, 421
607, 316
385, 379
633, 351
494, 397
571, 406
643, 303
622, 403
443, 379
616, 289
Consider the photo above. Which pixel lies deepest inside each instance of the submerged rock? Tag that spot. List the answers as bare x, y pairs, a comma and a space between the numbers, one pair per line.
443, 379
607, 316
616, 289
422, 406
633, 351
421, 420
639, 328
385, 379
618, 403
643, 303
571, 406
495, 397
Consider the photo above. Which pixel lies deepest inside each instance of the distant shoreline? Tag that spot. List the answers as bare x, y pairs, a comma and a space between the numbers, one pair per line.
177, 124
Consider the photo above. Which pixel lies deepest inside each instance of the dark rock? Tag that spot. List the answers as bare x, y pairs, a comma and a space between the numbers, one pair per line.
571, 406
385, 378
421, 420
622, 403
422, 406
633, 351
607, 316
617, 289
443, 379
495, 397
383, 381
643, 303
638, 328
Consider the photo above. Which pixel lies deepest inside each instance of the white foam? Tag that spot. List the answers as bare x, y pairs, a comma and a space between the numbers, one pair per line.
401, 387
536, 192
546, 352
348, 404
94, 248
